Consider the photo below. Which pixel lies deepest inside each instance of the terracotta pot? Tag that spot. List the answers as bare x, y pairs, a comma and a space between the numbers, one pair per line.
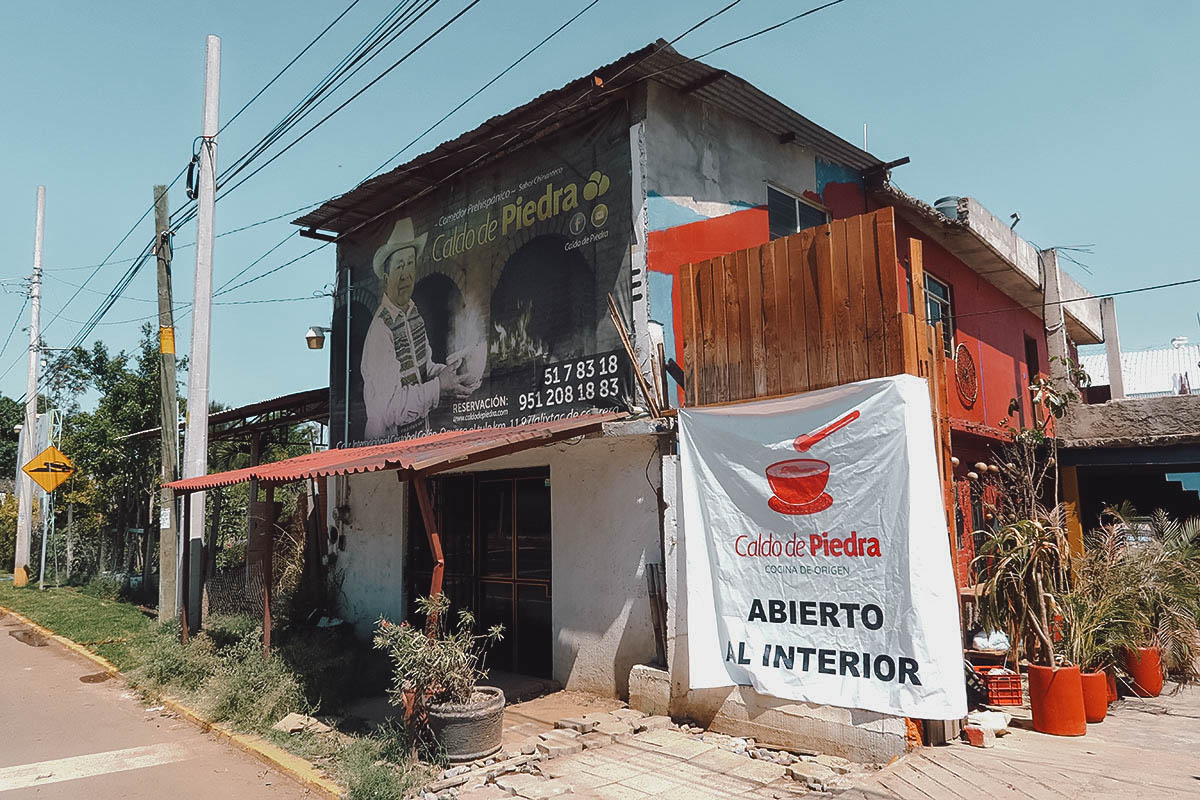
1056, 697
1095, 696
1110, 680
1145, 668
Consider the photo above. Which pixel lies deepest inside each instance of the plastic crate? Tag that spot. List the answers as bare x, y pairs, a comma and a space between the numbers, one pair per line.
1002, 690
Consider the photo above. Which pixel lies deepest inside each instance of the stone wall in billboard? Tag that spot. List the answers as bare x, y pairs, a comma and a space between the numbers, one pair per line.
485, 303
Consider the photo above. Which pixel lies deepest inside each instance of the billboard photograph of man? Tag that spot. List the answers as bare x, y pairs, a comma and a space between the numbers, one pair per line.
401, 381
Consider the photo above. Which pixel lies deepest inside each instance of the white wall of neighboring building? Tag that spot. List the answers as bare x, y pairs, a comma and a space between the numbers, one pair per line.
605, 529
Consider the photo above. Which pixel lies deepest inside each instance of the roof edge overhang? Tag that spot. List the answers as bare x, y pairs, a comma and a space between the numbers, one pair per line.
657, 61
427, 455
964, 239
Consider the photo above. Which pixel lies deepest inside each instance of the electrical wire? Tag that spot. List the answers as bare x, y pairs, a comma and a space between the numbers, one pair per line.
111, 253
354, 96
288, 66
11, 330
483, 88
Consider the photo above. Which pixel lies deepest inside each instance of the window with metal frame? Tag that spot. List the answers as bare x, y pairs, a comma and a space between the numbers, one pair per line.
788, 214
939, 307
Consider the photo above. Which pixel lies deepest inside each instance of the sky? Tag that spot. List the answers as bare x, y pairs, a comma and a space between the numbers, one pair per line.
1081, 116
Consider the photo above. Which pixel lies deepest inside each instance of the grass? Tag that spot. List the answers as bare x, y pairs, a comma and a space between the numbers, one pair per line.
110, 628
221, 673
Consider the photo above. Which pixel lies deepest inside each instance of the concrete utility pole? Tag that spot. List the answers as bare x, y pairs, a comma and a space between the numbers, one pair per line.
195, 446
168, 546
1055, 318
29, 440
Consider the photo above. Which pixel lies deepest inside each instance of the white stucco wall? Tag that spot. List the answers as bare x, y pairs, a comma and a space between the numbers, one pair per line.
369, 573
605, 529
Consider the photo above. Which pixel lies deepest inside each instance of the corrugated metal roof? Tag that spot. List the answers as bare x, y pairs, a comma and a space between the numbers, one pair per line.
1158, 371
428, 453
543, 115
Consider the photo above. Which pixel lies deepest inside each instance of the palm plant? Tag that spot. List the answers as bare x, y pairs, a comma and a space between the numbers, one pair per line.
1025, 564
1163, 572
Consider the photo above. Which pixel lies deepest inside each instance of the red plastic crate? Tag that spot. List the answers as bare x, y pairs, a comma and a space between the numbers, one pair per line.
1003, 690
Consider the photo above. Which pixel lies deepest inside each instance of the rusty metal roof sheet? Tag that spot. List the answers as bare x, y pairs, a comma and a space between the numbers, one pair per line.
427, 454
659, 62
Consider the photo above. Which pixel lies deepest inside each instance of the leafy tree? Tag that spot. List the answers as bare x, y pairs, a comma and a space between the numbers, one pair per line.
11, 415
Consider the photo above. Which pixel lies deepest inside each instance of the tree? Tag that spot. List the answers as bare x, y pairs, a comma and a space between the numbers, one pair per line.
11, 415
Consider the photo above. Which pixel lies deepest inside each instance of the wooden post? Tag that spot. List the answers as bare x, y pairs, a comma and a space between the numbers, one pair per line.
184, 575
1071, 504
435, 539
168, 525
268, 570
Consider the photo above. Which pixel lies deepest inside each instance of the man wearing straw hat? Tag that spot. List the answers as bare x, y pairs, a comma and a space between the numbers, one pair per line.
401, 382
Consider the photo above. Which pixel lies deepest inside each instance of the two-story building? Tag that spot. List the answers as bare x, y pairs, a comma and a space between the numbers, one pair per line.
473, 291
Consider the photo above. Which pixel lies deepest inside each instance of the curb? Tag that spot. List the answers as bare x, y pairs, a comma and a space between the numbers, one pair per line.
296, 768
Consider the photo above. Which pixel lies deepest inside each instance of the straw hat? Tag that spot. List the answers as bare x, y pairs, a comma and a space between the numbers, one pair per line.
402, 237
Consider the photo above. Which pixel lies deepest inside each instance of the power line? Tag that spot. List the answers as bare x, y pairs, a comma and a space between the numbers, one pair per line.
321, 246
519, 129
354, 96
11, 330
1137, 290
111, 253
483, 88
288, 66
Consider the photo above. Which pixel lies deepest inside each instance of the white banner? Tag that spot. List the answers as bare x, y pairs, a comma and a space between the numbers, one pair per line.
818, 564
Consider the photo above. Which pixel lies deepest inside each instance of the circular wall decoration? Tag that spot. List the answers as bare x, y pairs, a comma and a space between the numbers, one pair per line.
966, 375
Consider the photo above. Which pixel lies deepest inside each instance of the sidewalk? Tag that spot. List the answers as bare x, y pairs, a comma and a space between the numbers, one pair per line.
1144, 748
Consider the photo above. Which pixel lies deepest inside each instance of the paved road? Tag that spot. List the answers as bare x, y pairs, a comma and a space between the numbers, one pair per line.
64, 737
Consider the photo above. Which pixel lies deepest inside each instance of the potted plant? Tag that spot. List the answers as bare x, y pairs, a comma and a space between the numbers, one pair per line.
1162, 559
1025, 564
435, 677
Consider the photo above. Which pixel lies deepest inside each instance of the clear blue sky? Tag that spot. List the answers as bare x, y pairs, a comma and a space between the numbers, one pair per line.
1082, 116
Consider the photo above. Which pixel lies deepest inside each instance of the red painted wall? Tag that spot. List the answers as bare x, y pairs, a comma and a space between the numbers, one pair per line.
996, 340
668, 250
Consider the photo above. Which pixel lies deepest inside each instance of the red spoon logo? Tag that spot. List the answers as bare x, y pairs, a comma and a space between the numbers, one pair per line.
799, 483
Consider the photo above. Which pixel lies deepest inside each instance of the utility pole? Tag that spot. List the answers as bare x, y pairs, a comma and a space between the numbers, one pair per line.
29, 440
168, 546
195, 447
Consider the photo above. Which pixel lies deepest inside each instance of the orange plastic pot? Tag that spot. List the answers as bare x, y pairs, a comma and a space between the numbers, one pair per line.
1110, 680
1145, 668
1095, 696
1056, 697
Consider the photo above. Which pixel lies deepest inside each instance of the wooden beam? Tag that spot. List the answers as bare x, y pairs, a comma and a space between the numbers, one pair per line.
268, 569
185, 567
421, 487
1071, 504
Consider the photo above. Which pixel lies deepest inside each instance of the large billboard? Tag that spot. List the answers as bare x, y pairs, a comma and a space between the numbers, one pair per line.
485, 303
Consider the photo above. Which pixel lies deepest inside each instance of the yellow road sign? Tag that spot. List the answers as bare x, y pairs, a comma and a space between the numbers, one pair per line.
50, 468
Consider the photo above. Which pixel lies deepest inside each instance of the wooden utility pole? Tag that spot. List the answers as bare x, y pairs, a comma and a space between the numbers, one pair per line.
195, 446
30, 440
168, 527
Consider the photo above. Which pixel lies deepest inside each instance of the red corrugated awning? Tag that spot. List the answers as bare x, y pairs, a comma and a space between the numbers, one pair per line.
428, 454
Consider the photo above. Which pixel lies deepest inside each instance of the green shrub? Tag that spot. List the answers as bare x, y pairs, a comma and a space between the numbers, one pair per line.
108, 586
176, 668
249, 691
226, 630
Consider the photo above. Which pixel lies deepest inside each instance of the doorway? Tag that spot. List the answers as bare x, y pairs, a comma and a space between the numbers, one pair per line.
496, 540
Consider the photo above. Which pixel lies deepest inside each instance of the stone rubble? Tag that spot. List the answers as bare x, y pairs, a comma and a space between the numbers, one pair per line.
527, 772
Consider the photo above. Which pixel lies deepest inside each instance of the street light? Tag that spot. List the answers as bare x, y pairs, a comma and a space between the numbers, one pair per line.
315, 336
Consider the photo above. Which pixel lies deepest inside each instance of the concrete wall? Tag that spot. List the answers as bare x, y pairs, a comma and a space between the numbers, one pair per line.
865, 736
370, 570
706, 174
1134, 422
605, 523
